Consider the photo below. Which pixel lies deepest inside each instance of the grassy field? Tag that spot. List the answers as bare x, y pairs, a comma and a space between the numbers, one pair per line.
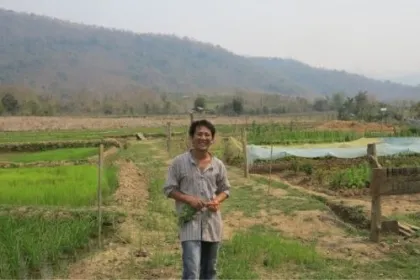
52, 155
37, 246
267, 233
271, 229
29, 245
58, 186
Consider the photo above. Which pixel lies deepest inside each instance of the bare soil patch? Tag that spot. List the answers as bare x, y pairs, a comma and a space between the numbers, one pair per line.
355, 126
124, 249
132, 191
352, 248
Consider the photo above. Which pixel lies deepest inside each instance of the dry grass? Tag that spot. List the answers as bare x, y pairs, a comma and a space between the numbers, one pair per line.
62, 123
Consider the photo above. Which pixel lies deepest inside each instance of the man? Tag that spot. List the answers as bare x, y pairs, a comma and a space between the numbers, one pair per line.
199, 179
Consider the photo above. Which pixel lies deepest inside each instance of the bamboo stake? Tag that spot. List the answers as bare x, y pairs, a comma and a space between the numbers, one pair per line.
168, 138
271, 156
245, 153
100, 165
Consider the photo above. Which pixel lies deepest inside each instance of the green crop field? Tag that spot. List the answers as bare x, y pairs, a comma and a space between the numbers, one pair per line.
298, 137
58, 186
280, 134
51, 155
60, 135
29, 244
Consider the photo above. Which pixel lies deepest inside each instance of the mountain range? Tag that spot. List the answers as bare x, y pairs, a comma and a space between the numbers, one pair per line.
52, 55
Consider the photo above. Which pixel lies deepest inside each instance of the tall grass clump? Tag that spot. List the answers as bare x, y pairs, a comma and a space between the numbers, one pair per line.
55, 186
29, 244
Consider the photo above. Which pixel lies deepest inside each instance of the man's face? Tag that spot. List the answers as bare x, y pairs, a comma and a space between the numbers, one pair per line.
202, 138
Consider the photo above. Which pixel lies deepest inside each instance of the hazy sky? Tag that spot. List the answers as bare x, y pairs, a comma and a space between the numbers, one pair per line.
372, 37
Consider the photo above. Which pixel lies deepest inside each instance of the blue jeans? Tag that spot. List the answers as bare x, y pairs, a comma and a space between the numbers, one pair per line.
199, 259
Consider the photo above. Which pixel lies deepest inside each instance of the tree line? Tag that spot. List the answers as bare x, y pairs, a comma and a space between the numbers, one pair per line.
362, 106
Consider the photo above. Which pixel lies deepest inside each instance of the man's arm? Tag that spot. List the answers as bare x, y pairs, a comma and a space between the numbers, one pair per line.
223, 188
179, 196
171, 183
171, 189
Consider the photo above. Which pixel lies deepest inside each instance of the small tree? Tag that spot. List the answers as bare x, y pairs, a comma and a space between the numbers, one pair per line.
321, 105
200, 102
10, 103
237, 105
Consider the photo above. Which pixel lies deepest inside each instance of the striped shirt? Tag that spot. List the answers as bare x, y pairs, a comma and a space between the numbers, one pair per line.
185, 176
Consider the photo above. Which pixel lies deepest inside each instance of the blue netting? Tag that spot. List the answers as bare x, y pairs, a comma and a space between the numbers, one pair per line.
386, 147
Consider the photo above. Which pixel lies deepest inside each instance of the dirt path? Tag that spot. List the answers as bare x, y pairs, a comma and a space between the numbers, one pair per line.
130, 197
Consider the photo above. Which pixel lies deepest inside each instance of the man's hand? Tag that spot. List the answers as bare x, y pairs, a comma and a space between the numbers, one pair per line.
196, 203
213, 205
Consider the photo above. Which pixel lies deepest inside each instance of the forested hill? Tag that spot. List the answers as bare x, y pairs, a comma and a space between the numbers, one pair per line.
57, 56
326, 81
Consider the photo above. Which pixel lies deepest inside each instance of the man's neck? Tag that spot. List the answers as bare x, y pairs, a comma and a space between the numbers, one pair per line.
199, 155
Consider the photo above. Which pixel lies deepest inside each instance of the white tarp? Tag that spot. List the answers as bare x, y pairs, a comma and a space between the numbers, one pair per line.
386, 147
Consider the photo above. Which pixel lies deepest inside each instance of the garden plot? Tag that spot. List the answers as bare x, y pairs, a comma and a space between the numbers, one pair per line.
31, 247
62, 216
58, 186
295, 134
49, 156
343, 172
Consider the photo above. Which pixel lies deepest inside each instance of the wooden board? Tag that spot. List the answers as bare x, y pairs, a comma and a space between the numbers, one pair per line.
395, 181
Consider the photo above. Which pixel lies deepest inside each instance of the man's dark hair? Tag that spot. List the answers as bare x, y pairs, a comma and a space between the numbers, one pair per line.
206, 123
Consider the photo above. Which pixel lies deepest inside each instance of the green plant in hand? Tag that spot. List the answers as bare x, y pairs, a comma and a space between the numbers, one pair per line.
187, 214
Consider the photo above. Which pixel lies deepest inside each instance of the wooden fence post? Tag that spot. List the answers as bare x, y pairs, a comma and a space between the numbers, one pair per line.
187, 137
271, 155
100, 166
375, 216
168, 137
245, 153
